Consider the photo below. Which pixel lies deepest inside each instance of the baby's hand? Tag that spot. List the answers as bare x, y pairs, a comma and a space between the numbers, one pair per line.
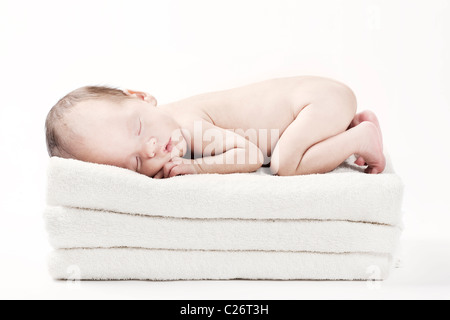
178, 166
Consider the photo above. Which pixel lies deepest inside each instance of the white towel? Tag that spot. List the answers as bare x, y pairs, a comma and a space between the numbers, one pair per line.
77, 228
346, 194
144, 264
108, 223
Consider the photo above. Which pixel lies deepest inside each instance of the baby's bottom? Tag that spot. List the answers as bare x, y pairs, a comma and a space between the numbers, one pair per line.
324, 134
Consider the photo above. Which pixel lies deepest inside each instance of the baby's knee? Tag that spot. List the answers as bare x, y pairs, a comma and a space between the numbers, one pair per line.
277, 168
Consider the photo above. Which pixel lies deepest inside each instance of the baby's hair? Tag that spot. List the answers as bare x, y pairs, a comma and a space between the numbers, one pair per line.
56, 126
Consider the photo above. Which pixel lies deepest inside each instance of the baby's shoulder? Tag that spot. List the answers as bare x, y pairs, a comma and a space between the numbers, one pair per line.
188, 115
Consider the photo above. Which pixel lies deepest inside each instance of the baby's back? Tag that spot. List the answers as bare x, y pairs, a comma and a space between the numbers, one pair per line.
259, 112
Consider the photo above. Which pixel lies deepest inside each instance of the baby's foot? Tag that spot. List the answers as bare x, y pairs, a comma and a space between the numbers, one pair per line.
372, 148
359, 118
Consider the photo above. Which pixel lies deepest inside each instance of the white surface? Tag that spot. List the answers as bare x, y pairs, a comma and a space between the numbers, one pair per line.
394, 54
424, 276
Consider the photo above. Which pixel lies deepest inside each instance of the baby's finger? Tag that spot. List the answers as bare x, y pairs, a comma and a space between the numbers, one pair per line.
178, 170
167, 167
177, 160
159, 175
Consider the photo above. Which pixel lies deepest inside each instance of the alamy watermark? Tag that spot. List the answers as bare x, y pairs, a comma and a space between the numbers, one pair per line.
217, 141
74, 276
375, 276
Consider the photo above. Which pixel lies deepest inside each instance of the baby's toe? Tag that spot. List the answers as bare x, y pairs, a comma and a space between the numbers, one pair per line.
369, 170
360, 161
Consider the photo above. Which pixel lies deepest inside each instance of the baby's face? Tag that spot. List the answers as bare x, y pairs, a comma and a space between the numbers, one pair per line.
132, 135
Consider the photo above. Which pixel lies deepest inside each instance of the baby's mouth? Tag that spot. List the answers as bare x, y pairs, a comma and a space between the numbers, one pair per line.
169, 146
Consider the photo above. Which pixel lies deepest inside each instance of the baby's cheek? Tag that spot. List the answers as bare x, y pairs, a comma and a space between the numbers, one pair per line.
155, 169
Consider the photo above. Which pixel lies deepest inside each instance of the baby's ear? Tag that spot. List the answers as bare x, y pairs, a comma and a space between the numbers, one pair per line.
141, 95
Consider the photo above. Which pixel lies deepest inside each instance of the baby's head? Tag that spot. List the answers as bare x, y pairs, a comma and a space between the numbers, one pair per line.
109, 126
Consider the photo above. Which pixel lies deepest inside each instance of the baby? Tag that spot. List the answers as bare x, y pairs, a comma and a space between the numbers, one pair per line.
297, 126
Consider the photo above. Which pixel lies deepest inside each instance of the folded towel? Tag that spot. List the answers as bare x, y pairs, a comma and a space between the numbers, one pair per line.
345, 194
109, 223
78, 228
145, 264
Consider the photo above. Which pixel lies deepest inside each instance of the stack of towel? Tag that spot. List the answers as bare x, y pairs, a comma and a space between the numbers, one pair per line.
109, 223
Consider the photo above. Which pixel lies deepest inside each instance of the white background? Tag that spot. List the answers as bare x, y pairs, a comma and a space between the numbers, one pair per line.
395, 54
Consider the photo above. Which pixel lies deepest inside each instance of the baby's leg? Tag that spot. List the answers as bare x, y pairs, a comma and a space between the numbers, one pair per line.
363, 139
317, 140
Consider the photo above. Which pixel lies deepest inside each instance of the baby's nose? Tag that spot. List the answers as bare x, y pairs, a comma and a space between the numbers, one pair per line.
151, 148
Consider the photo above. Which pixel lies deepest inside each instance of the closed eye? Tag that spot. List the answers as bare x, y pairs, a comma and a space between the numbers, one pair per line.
140, 126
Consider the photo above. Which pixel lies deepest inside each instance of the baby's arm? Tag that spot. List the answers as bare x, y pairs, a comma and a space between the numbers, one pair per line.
227, 153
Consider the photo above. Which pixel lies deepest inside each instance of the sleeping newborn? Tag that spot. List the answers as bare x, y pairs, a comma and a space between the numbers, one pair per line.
297, 126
